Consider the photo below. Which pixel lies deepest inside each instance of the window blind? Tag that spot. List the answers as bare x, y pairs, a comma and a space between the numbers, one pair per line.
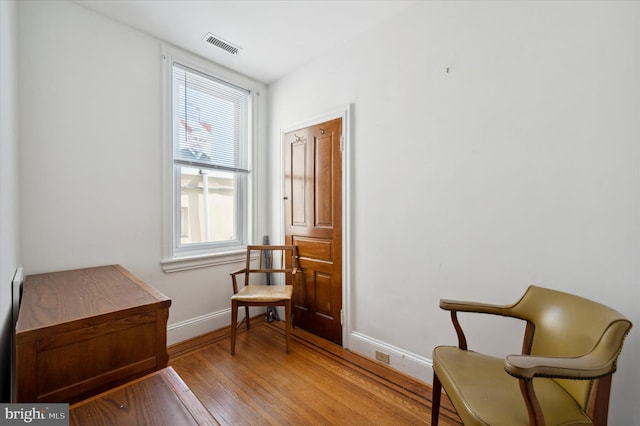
210, 122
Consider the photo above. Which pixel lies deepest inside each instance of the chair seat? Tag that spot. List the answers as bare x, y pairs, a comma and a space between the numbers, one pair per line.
263, 293
484, 394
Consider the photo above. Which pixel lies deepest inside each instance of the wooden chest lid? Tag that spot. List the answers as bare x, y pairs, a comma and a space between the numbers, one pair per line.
59, 297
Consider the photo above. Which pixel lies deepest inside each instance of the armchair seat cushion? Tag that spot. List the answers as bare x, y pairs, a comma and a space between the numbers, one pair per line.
484, 394
263, 293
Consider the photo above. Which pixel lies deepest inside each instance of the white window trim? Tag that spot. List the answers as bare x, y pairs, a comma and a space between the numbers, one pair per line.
174, 260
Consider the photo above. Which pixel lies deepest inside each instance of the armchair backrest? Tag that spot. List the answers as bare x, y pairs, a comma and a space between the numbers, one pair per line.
271, 259
565, 325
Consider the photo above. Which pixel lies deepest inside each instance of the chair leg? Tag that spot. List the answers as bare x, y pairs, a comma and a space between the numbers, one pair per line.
246, 315
435, 400
234, 325
598, 405
289, 319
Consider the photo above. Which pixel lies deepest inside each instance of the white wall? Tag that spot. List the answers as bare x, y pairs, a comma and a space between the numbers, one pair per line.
91, 158
9, 241
518, 166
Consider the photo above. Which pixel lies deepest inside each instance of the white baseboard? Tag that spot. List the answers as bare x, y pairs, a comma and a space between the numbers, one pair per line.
194, 327
409, 363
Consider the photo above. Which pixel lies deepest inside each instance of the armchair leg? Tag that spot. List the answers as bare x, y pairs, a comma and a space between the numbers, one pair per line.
536, 417
435, 402
598, 406
288, 320
234, 325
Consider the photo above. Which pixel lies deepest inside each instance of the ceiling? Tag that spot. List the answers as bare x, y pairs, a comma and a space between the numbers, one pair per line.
275, 36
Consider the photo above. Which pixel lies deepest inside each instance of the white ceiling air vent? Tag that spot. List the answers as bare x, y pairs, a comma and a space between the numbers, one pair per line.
222, 44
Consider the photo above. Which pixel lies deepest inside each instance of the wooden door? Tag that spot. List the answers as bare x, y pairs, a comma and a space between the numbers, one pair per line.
313, 215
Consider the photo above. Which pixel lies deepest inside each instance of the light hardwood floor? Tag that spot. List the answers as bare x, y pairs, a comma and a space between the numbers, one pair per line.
317, 383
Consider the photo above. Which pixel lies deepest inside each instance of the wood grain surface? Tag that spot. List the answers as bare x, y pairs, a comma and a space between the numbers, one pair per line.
317, 383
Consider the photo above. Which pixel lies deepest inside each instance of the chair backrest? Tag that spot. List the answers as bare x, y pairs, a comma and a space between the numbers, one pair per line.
566, 325
271, 259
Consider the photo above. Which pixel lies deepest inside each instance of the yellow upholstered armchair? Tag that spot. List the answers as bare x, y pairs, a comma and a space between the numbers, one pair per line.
563, 376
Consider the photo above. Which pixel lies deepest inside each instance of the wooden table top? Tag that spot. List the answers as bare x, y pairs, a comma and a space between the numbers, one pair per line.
65, 296
158, 399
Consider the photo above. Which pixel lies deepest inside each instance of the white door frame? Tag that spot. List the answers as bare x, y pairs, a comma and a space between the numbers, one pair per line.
346, 138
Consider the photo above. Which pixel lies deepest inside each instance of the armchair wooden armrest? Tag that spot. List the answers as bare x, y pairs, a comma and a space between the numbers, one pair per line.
234, 281
241, 271
585, 367
475, 307
456, 306
598, 362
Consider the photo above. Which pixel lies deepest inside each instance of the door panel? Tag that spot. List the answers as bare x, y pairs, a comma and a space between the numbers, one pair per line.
314, 248
324, 182
299, 170
313, 183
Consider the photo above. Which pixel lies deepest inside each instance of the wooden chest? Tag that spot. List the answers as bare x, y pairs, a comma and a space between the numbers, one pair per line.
160, 398
84, 331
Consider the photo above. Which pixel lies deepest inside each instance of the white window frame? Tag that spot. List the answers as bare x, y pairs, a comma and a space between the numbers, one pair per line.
176, 257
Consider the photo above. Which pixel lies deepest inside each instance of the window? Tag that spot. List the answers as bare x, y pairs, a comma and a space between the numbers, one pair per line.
210, 122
